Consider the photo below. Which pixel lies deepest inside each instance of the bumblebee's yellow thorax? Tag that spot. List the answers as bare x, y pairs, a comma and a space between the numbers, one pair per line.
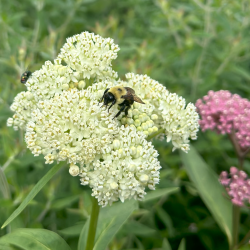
118, 92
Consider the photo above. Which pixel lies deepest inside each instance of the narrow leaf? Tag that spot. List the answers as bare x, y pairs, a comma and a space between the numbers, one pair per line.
83, 235
64, 202
210, 190
72, 231
33, 193
241, 71
111, 220
159, 193
4, 186
166, 245
182, 245
166, 219
30, 239
136, 228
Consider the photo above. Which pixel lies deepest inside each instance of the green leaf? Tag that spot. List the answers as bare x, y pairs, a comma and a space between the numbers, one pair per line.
110, 220
210, 190
246, 247
166, 219
4, 186
4, 246
38, 239
166, 245
72, 231
182, 245
241, 71
136, 228
159, 193
83, 235
33, 193
64, 202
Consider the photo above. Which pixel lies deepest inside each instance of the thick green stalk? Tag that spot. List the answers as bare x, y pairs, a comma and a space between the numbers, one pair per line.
236, 222
92, 224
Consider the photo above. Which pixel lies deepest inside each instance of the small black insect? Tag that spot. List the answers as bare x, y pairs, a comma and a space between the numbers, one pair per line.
123, 96
25, 76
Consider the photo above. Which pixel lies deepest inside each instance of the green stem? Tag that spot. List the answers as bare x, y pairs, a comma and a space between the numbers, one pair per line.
236, 221
155, 134
93, 224
244, 240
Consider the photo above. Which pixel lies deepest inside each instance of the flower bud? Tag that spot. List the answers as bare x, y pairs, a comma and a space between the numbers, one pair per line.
63, 80
116, 144
132, 150
73, 170
130, 121
139, 128
150, 123
29, 96
137, 122
71, 85
144, 126
155, 129
136, 112
144, 178
124, 120
154, 117
62, 70
150, 130
81, 84
131, 167
113, 185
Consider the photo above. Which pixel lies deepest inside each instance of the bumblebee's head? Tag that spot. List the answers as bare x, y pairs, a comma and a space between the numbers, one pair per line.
108, 97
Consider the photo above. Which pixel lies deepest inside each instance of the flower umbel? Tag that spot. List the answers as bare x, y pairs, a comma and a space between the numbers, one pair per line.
63, 120
128, 166
237, 185
227, 114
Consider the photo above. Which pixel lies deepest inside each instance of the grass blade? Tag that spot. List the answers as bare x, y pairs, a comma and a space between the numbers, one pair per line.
33, 193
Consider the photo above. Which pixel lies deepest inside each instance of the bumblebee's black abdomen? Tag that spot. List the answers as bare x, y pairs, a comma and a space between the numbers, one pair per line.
127, 103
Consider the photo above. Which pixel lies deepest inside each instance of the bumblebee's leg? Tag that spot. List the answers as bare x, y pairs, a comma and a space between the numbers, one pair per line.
103, 95
122, 108
127, 109
113, 103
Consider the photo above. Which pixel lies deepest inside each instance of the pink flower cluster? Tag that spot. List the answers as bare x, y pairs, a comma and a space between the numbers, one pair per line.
224, 112
238, 186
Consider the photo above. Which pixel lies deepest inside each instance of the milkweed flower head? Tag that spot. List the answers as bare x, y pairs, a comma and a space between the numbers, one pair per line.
63, 120
90, 55
237, 185
226, 113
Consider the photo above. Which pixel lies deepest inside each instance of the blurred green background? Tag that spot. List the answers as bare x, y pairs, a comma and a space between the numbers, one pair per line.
189, 46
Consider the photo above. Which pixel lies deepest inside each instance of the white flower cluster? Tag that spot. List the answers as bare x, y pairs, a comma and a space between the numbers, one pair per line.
64, 121
90, 55
70, 127
179, 122
22, 106
129, 165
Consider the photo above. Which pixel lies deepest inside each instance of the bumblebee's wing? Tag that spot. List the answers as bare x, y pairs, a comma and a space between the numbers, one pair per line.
130, 95
129, 90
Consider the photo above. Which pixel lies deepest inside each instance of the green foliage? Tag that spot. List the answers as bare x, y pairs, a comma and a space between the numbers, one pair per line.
30, 239
33, 193
210, 190
191, 47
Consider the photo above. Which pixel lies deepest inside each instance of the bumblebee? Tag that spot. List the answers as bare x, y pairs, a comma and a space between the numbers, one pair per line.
123, 96
25, 76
